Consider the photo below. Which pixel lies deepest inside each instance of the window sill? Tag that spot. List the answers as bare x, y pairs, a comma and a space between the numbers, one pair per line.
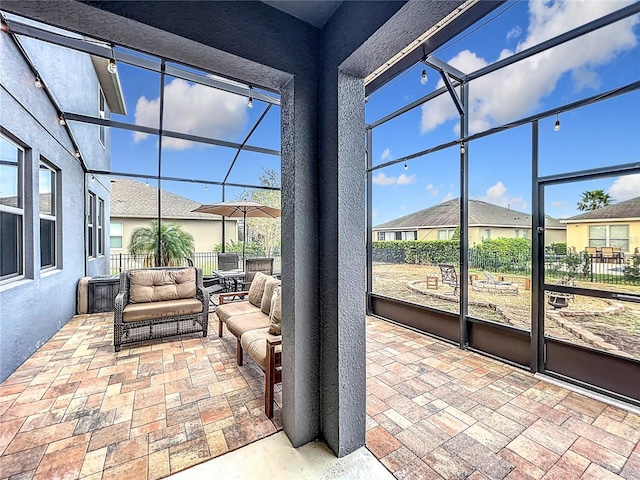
18, 282
49, 272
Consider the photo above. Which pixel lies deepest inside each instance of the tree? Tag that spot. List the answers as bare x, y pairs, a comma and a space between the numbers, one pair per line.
175, 244
593, 199
265, 231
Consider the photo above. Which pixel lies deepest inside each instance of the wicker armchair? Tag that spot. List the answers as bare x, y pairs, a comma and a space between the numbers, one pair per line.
186, 312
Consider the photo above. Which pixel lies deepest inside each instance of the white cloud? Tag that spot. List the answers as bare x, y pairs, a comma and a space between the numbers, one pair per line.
403, 179
558, 204
625, 188
515, 32
433, 190
406, 179
386, 155
382, 179
497, 194
194, 109
514, 91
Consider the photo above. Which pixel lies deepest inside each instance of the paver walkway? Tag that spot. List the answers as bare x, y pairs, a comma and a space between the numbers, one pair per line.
437, 412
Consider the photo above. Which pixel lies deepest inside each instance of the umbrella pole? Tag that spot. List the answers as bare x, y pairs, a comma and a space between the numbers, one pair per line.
244, 234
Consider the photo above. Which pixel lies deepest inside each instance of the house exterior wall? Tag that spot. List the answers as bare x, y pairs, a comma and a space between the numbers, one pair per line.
72, 78
578, 233
207, 234
36, 306
476, 234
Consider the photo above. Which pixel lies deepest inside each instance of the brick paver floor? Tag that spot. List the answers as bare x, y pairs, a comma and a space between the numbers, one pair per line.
76, 409
437, 412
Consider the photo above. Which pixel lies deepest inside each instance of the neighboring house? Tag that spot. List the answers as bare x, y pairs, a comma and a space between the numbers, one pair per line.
135, 204
486, 221
616, 225
52, 213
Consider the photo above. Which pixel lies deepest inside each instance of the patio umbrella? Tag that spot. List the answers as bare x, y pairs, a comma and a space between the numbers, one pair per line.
240, 208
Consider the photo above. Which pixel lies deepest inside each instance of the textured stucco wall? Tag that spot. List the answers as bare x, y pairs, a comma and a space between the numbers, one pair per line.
35, 307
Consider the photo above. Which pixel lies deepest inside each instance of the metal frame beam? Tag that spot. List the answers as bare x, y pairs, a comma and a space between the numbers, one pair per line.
92, 48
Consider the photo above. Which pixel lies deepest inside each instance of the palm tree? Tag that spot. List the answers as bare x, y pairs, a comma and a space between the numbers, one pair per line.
175, 244
593, 199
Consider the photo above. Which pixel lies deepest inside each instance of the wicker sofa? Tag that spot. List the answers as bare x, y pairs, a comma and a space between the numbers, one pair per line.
255, 322
159, 302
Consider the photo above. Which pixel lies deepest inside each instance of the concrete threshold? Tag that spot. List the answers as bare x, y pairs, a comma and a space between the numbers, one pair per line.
275, 457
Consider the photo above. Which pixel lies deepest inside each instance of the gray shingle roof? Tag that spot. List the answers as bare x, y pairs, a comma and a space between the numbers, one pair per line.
446, 214
627, 209
135, 199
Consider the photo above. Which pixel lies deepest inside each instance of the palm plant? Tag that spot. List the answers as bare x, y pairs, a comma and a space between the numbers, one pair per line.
593, 199
175, 244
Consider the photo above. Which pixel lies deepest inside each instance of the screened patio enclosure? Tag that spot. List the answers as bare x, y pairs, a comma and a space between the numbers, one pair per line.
506, 149
163, 137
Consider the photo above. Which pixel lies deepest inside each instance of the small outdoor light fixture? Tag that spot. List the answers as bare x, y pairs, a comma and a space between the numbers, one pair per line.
406, 167
111, 66
37, 82
77, 154
93, 178
423, 77
556, 127
250, 102
462, 149
62, 121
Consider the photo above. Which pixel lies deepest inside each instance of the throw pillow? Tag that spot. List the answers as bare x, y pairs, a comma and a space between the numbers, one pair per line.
269, 287
275, 317
256, 290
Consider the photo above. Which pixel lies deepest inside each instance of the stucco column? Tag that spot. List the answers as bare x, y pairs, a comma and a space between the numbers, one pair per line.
342, 262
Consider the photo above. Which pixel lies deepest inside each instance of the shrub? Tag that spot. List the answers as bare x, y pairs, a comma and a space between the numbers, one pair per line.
508, 255
417, 251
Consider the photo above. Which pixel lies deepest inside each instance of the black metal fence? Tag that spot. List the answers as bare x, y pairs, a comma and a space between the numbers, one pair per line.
581, 267
207, 261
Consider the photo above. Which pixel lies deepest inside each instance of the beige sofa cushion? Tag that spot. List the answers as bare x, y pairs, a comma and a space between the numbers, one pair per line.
256, 290
254, 343
243, 323
275, 316
160, 285
269, 286
135, 312
228, 310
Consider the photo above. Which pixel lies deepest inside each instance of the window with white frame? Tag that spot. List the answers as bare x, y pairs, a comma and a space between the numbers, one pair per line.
91, 223
102, 113
516, 233
446, 234
609, 236
116, 232
405, 235
100, 226
486, 234
48, 213
11, 209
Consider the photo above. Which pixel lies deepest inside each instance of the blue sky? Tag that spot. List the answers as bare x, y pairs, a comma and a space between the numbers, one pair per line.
600, 135
603, 134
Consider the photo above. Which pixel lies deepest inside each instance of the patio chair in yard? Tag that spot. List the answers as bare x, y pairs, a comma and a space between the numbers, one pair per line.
593, 253
450, 277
